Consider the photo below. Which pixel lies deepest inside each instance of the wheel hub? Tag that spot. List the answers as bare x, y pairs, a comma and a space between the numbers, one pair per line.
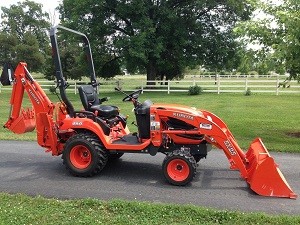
80, 157
179, 167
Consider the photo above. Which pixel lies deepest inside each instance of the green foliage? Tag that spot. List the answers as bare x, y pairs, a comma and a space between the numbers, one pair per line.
52, 89
253, 73
158, 37
28, 51
195, 90
21, 209
278, 35
7, 43
23, 34
248, 92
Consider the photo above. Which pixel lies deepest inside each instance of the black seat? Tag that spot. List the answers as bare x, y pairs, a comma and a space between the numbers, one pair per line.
91, 102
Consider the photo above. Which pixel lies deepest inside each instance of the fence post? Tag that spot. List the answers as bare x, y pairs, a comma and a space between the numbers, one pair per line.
194, 82
168, 86
246, 83
75, 87
142, 86
218, 83
277, 85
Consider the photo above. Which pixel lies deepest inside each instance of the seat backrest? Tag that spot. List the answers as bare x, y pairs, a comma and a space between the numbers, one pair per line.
88, 96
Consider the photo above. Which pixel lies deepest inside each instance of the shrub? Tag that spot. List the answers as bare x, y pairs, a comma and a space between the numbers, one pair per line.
52, 89
195, 90
248, 92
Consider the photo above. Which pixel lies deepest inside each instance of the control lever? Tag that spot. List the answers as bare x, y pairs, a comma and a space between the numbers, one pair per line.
104, 99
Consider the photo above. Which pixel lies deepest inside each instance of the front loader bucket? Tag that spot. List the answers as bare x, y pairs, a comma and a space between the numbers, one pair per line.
24, 123
264, 176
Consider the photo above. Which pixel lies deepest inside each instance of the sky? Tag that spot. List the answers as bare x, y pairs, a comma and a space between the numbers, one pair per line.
48, 6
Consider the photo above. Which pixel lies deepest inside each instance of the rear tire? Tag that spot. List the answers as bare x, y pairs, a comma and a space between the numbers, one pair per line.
179, 167
84, 155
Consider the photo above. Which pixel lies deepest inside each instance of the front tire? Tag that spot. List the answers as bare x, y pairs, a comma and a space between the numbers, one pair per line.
84, 155
179, 167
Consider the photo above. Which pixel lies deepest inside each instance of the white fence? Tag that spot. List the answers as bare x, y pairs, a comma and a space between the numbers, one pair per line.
228, 84
214, 84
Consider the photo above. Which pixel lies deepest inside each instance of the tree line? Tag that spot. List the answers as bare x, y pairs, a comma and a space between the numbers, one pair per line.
160, 38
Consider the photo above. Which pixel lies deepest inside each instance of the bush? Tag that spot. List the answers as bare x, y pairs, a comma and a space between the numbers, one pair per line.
248, 92
195, 90
52, 89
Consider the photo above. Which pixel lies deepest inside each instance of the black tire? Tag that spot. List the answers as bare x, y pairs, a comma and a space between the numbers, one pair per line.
115, 156
179, 167
84, 155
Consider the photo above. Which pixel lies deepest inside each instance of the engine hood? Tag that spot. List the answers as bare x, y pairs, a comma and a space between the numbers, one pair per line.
176, 108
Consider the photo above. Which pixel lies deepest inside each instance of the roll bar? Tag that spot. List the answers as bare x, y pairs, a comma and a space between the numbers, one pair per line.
61, 82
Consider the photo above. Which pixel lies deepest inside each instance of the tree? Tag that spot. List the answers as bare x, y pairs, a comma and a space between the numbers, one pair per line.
278, 34
24, 29
160, 37
7, 43
28, 51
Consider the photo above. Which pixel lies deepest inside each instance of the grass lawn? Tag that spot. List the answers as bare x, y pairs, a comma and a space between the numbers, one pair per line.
271, 117
21, 209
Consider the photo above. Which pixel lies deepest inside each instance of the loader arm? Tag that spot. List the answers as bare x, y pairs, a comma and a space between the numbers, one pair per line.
39, 116
256, 166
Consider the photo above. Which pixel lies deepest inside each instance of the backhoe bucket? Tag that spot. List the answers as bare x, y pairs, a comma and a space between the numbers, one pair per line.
264, 176
24, 123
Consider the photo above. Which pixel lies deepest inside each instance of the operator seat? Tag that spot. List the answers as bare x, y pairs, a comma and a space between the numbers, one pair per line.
91, 102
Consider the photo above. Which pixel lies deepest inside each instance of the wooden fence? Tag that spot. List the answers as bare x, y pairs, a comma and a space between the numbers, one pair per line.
214, 84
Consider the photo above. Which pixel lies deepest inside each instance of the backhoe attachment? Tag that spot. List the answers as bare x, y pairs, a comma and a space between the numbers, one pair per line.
20, 120
39, 115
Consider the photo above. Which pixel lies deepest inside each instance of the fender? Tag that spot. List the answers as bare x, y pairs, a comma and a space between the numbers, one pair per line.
86, 124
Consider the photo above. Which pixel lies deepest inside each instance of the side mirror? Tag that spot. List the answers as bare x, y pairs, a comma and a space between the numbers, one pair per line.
7, 75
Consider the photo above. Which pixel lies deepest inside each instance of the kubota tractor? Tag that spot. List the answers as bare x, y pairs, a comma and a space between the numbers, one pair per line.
88, 138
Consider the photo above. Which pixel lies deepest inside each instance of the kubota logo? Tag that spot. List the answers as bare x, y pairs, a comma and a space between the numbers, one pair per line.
76, 123
33, 96
181, 115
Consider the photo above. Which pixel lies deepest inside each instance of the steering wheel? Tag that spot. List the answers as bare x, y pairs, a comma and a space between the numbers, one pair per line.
134, 95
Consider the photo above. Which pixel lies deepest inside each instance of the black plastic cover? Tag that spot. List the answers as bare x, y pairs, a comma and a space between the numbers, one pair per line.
7, 75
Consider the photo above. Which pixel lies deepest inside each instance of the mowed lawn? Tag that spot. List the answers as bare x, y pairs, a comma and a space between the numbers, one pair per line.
275, 119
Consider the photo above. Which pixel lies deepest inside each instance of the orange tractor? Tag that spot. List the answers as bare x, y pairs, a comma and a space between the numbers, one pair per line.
88, 138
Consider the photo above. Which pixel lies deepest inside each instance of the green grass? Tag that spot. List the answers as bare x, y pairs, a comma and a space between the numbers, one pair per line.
267, 116
22, 209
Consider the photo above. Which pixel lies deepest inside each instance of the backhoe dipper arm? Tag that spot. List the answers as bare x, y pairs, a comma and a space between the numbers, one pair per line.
40, 117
